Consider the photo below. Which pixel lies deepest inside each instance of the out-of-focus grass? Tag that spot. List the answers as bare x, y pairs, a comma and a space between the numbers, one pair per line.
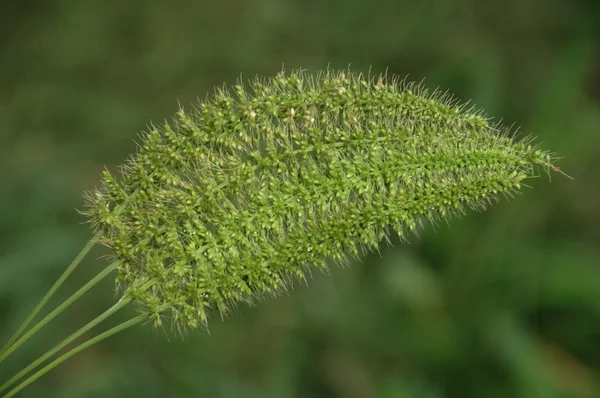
499, 304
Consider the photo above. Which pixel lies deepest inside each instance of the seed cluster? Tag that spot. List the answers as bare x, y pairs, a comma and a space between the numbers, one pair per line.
260, 185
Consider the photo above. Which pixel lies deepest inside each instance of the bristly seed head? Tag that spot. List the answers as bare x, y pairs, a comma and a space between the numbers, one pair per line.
234, 200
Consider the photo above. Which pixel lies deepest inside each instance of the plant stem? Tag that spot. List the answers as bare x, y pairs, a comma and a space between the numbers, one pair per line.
51, 292
58, 310
76, 350
120, 304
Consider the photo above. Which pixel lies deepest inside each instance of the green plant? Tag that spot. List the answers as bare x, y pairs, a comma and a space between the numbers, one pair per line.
254, 189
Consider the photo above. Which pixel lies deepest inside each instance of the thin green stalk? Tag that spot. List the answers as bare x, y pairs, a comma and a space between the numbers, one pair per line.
76, 350
58, 310
120, 304
51, 292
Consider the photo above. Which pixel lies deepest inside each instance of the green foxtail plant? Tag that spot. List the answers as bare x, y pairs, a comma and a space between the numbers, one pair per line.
260, 185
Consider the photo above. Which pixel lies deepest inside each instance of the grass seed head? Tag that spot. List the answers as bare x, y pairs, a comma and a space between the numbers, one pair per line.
238, 198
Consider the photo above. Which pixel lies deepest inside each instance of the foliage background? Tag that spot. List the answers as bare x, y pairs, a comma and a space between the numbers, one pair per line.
500, 304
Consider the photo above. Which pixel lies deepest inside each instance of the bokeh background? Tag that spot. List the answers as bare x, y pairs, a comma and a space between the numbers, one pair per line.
500, 304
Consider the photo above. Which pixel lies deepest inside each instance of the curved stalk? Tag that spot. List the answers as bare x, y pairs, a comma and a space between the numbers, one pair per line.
74, 351
58, 310
120, 304
51, 292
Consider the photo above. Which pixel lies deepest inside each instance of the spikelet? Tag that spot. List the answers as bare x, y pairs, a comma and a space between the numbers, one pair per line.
260, 185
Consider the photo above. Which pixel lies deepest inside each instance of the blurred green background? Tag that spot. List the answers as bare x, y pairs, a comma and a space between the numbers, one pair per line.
500, 304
